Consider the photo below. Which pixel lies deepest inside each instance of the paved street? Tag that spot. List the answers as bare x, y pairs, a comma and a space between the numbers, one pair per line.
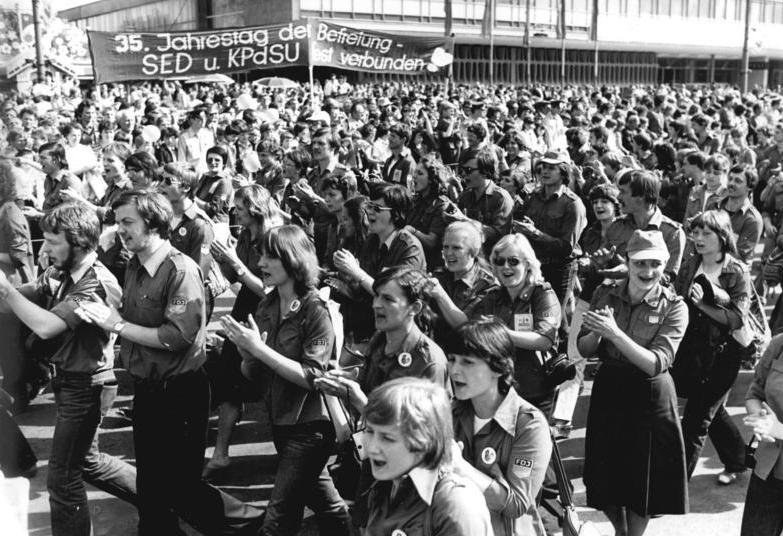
715, 510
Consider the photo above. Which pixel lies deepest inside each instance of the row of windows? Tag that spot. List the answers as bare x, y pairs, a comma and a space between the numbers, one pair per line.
577, 11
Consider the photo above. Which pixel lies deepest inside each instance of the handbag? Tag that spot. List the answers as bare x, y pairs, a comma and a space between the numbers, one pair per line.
772, 270
559, 368
571, 524
347, 467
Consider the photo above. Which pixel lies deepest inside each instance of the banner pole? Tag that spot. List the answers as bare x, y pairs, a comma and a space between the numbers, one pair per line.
310, 60
312, 88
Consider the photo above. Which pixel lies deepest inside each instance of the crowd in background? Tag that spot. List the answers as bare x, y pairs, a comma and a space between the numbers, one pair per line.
432, 265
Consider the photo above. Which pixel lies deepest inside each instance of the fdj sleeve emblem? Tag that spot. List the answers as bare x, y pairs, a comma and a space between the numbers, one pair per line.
177, 305
523, 467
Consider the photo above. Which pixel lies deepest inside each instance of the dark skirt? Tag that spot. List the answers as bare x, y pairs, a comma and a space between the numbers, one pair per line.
634, 450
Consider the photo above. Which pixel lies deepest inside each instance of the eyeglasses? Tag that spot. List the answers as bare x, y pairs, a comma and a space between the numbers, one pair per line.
502, 261
375, 207
467, 170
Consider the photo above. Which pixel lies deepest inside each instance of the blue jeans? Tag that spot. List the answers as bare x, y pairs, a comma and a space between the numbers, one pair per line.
106, 472
78, 414
302, 480
763, 515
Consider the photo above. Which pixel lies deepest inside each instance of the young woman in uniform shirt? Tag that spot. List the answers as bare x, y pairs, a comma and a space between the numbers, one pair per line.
634, 452
502, 443
407, 439
289, 344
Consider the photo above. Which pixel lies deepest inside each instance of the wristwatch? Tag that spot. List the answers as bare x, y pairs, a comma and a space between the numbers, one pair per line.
118, 327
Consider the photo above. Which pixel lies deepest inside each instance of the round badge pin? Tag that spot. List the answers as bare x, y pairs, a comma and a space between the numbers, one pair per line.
398, 532
488, 455
295, 305
404, 359
182, 231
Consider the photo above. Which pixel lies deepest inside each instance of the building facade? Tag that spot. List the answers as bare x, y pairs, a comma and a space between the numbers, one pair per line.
604, 41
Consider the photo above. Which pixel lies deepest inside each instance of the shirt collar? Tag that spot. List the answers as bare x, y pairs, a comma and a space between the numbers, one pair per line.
78, 272
390, 239
191, 212
656, 219
651, 298
424, 480
471, 275
156, 259
507, 412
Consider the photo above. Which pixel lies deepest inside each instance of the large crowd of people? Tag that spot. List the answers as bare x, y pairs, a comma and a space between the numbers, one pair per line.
420, 275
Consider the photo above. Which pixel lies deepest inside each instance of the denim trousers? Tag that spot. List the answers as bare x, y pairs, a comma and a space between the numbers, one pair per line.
169, 434
106, 472
302, 480
705, 415
763, 515
78, 414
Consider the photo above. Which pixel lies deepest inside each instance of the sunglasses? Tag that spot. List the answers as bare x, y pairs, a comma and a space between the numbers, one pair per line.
502, 261
375, 207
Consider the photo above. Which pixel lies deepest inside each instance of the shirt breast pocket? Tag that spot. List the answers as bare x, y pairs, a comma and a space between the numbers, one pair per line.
645, 329
289, 342
150, 311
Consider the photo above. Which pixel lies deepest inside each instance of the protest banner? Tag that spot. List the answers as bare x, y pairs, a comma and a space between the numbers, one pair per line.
334, 45
125, 56
142, 56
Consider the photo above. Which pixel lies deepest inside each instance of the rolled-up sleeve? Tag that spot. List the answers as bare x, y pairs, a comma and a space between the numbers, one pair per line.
184, 313
665, 343
546, 313
317, 342
514, 493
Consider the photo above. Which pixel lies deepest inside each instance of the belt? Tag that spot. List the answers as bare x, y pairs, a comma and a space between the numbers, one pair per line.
95, 378
169, 381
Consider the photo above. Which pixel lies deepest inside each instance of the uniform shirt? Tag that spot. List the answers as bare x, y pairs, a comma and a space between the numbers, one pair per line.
747, 224
248, 251
767, 386
535, 309
427, 216
15, 241
53, 185
216, 191
701, 200
304, 334
399, 169
167, 293
418, 357
427, 502
622, 228
490, 206
82, 347
560, 220
658, 323
403, 250
469, 289
193, 236
514, 449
